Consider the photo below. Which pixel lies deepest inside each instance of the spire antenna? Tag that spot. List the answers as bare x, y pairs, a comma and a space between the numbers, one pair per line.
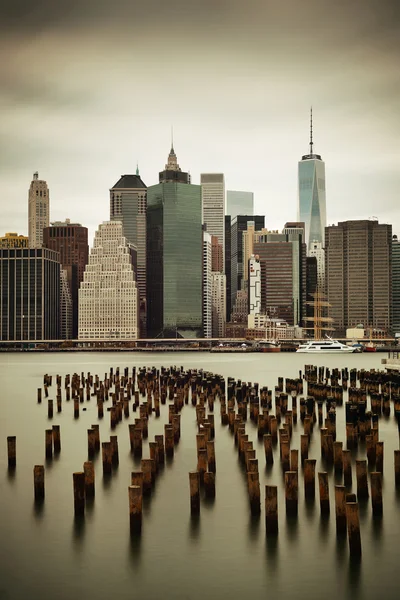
137, 168
172, 137
311, 133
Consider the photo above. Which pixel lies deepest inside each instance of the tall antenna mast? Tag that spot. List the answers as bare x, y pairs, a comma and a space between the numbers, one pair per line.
311, 133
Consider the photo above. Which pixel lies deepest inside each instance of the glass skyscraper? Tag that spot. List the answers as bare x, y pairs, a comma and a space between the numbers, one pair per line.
312, 200
174, 256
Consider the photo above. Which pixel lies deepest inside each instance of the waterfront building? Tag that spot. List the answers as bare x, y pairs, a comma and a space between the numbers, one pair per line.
207, 285
358, 268
13, 240
254, 286
239, 203
396, 284
218, 283
213, 212
38, 210
65, 307
311, 194
239, 225
128, 204
174, 255
30, 294
71, 241
283, 274
228, 266
108, 295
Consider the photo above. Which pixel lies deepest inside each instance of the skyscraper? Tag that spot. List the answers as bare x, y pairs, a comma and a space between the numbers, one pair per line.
312, 200
174, 255
213, 208
218, 284
358, 269
228, 265
108, 296
38, 211
30, 294
128, 204
207, 285
71, 241
239, 225
65, 307
239, 203
396, 283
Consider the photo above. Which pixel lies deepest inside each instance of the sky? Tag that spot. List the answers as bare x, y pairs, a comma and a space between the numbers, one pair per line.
88, 88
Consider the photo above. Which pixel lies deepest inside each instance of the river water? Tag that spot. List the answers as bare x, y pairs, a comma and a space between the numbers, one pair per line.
46, 553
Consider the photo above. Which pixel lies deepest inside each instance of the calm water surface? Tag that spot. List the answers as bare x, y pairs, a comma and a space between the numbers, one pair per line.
46, 553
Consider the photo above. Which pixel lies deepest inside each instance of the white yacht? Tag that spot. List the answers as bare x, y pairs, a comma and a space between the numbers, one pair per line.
325, 346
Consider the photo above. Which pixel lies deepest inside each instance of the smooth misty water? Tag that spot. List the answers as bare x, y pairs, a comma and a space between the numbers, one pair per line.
46, 554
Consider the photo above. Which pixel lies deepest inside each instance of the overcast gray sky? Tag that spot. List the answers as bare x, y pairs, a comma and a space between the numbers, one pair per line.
88, 87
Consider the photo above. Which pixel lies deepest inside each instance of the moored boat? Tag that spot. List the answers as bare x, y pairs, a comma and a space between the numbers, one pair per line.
327, 345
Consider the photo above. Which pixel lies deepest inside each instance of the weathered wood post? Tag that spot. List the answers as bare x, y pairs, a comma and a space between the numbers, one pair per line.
324, 493
294, 460
211, 456
79, 493
88, 469
397, 467
291, 492
38, 481
49, 443
379, 457
137, 478
209, 484
153, 447
12, 451
114, 450
338, 456
253, 484
285, 458
353, 529
304, 443
76, 408
347, 470
309, 477
106, 452
362, 479
194, 483
147, 469
340, 505
269, 455
56, 439
135, 508
201, 463
376, 493
169, 440
91, 443
271, 509
49, 409
161, 452
39, 395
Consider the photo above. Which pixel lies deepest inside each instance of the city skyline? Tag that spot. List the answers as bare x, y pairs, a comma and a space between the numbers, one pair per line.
66, 118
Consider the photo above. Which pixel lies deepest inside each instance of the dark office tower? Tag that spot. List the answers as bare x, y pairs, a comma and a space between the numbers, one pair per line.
396, 284
30, 294
174, 256
228, 266
358, 270
71, 241
311, 286
128, 204
239, 224
283, 274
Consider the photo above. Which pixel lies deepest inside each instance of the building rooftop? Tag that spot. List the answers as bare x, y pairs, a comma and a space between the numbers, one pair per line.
129, 182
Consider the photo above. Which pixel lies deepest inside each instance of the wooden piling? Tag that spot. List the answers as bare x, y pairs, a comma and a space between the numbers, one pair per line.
253, 484
49, 409
56, 439
161, 452
309, 477
49, 443
397, 467
153, 448
269, 455
340, 509
38, 482
285, 457
79, 493
147, 468
209, 484
169, 440
106, 455
271, 509
353, 529
137, 478
324, 492
135, 508
88, 469
338, 456
12, 451
39, 395
347, 470
304, 443
362, 479
114, 450
202, 463
194, 483
291, 492
294, 460
376, 494
76, 408
379, 457
211, 456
